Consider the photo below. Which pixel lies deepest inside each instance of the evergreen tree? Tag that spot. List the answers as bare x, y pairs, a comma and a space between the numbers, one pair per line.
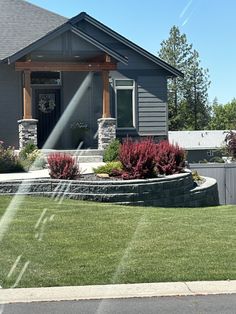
187, 98
223, 116
196, 83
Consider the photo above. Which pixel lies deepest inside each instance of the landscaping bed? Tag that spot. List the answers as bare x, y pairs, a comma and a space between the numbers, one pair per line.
173, 190
84, 243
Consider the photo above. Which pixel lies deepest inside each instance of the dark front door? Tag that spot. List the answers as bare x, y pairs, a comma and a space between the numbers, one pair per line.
47, 112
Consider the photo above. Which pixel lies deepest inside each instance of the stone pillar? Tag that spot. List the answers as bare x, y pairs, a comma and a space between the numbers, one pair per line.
106, 132
27, 132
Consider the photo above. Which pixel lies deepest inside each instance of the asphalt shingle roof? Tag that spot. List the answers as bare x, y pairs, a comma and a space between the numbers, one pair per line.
22, 23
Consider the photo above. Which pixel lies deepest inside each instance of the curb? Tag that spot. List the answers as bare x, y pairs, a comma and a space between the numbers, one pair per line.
117, 291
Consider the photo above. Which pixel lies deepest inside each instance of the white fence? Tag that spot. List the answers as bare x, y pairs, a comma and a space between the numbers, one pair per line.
225, 174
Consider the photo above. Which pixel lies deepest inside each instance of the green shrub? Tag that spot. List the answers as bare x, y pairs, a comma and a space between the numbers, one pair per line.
31, 158
196, 176
109, 168
203, 161
112, 151
28, 149
217, 159
34, 160
9, 161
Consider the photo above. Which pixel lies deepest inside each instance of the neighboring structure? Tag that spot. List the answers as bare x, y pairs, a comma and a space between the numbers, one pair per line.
200, 145
44, 60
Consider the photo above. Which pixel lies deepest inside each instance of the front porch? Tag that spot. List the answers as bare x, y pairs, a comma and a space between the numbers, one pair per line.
51, 112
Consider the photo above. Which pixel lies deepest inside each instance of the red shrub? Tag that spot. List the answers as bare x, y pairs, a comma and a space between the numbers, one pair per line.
230, 140
138, 159
62, 166
169, 158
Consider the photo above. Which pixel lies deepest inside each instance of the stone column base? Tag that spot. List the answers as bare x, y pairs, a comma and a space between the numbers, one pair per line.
27, 132
106, 132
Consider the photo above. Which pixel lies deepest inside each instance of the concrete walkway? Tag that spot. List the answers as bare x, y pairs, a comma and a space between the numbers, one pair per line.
117, 291
84, 168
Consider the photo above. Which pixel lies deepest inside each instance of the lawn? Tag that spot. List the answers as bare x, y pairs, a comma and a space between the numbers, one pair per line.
81, 243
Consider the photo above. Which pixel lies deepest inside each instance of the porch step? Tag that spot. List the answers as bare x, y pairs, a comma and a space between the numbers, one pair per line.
83, 155
88, 159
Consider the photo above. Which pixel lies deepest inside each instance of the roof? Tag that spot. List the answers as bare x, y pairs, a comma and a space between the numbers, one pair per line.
22, 23
25, 26
198, 140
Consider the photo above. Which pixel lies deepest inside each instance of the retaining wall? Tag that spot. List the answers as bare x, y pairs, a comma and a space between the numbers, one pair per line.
176, 190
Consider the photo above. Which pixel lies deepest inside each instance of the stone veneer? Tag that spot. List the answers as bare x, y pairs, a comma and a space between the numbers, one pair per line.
171, 191
27, 132
106, 132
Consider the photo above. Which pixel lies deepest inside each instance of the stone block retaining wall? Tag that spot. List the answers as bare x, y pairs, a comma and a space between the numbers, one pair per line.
173, 191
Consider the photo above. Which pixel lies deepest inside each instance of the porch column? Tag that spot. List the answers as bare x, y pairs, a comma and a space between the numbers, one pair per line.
106, 95
106, 125
27, 125
27, 96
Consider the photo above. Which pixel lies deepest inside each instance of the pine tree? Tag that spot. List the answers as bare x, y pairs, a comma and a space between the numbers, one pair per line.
196, 83
187, 98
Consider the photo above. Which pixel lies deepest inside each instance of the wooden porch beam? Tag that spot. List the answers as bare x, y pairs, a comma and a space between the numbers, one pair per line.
106, 95
65, 66
27, 114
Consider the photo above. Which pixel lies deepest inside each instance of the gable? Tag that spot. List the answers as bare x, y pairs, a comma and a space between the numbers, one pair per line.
66, 46
68, 32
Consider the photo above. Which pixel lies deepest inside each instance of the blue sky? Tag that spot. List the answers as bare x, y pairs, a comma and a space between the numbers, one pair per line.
208, 24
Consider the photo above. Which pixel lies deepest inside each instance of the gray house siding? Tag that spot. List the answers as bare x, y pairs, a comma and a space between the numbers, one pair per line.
10, 104
152, 108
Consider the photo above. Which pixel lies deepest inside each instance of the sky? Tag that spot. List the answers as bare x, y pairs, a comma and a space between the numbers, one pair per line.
208, 24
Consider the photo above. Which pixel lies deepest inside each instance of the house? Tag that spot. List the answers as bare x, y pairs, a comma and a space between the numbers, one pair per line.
74, 78
200, 145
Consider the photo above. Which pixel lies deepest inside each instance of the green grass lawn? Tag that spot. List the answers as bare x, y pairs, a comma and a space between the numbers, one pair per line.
81, 243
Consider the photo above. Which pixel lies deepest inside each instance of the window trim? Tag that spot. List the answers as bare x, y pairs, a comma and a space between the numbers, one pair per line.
126, 87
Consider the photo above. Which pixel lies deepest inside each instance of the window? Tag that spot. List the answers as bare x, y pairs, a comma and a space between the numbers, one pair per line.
210, 153
125, 103
46, 78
